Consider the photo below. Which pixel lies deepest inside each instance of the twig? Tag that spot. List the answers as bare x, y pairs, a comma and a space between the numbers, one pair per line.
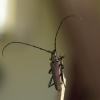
63, 89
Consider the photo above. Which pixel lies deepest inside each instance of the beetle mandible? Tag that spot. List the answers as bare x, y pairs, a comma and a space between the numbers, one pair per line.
56, 62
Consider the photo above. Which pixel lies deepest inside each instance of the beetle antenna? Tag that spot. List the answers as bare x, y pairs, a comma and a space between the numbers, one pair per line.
25, 44
60, 26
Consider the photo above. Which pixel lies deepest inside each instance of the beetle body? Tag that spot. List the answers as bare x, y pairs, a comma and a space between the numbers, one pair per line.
56, 62
56, 75
56, 71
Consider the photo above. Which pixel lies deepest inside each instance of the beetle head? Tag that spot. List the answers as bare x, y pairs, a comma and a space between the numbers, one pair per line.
53, 55
53, 52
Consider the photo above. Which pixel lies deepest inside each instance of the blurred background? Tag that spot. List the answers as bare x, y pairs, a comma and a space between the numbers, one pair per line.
24, 70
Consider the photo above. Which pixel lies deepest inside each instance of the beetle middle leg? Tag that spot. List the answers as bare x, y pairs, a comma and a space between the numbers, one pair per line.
49, 85
62, 66
50, 71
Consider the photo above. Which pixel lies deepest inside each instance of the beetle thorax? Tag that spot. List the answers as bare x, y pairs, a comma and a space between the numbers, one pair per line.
54, 58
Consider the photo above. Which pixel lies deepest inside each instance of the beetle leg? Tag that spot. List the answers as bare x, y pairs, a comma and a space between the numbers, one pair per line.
50, 59
62, 66
49, 85
62, 76
52, 84
61, 57
50, 71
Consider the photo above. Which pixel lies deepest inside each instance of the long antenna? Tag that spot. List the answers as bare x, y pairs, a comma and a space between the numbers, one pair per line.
25, 44
60, 26
39, 47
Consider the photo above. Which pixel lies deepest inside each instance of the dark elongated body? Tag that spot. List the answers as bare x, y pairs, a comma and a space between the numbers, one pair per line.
56, 71
56, 74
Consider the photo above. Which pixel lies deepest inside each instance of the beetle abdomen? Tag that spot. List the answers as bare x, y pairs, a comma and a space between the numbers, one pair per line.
56, 75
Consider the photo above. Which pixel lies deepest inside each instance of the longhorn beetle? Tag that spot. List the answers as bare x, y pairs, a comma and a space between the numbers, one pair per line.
56, 62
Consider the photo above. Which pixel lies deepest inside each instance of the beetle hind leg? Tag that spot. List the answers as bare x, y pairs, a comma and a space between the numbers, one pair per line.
61, 66
49, 85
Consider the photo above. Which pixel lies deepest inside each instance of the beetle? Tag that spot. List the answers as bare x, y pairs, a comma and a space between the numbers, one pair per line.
56, 65
56, 62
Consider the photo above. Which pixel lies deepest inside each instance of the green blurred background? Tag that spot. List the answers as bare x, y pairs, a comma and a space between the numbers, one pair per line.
36, 21
26, 68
